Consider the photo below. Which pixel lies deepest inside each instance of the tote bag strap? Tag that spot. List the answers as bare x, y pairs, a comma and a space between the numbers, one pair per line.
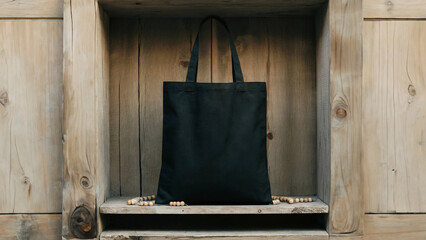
191, 75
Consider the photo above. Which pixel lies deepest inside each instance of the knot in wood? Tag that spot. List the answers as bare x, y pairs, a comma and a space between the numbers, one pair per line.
82, 223
85, 182
411, 90
4, 99
184, 63
341, 113
270, 135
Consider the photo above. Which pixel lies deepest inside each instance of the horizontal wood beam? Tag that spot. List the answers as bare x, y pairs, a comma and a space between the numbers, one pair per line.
201, 8
395, 226
407, 9
30, 226
31, 9
290, 234
346, 105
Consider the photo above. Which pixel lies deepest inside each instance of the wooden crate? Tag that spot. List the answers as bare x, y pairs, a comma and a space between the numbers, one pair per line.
118, 53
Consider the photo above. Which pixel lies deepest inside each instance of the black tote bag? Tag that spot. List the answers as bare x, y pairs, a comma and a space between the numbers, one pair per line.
214, 139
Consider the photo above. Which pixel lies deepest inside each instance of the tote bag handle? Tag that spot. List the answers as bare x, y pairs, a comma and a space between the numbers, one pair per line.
191, 75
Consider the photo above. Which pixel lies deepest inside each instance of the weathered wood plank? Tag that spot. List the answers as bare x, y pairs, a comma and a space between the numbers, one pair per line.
251, 235
165, 48
394, 9
85, 123
31, 8
30, 226
201, 8
394, 116
345, 96
322, 29
119, 206
30, 116
280, 52
124, 103
395, 226
102, 68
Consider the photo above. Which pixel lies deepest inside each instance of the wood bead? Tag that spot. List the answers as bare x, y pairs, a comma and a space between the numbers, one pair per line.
297, 200
310, 199
149, 198
276, 202
151, 203
171, 204
153, 197
144, 198
178, 204
133, 201
290, 200
182, 203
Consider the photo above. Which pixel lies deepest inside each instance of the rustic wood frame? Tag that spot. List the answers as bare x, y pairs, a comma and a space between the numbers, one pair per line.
86, 129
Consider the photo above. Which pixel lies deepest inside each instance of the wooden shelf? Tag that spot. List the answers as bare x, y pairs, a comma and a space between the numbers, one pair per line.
119, 205
252, 234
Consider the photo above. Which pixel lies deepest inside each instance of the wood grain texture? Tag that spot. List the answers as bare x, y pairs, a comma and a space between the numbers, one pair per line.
395, 226
119, 206
280, 52
213, 235
346, 237
85, 124
31, 8
30, 116
165, 47
394, 9
394, 116
202, 8
30, 226
345, 95
322, 31
124, 105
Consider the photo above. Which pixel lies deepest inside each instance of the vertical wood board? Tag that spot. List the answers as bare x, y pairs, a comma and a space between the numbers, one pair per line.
124, 105
394, 116
30, 116
345, 95
322, 30
85, 118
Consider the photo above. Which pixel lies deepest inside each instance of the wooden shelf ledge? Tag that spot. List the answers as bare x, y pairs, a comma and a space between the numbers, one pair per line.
252, 234
118, 205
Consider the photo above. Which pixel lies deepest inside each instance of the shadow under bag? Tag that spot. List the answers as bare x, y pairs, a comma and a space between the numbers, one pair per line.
214, 139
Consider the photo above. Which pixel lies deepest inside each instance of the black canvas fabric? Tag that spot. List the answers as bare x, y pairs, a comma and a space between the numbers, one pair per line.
214, 139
